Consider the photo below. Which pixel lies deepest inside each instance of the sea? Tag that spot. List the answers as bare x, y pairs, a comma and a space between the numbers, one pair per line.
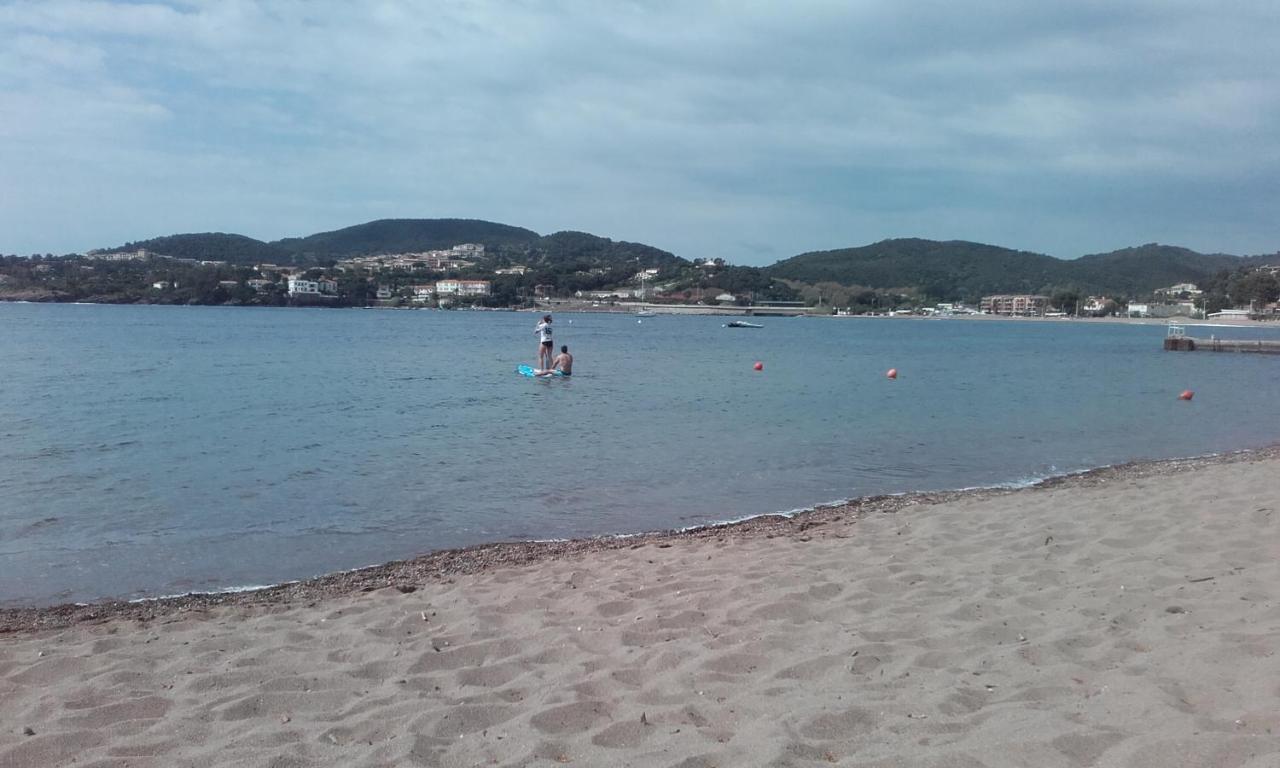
150, 450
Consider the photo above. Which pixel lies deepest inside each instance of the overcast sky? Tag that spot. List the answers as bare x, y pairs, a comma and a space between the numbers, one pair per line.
750, 131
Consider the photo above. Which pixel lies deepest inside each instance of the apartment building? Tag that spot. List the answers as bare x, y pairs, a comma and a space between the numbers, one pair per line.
462, 287
1022, 304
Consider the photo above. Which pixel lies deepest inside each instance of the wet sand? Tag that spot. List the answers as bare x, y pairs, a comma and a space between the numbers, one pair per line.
1124, 617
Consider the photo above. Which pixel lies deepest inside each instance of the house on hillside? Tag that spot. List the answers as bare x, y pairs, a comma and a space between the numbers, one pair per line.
322, 288
462, 287
1189, 289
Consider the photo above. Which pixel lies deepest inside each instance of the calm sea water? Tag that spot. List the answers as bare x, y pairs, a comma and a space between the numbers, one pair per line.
153, 450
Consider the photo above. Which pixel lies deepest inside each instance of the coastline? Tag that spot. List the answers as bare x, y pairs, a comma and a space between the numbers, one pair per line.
406, 575
684, 310
1119, 618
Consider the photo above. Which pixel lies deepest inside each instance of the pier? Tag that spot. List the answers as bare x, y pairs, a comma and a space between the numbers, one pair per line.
1177, 340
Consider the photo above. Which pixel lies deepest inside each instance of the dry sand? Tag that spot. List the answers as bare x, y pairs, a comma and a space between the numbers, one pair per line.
1123, 618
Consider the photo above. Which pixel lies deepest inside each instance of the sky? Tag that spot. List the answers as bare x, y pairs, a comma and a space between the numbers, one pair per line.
749, 131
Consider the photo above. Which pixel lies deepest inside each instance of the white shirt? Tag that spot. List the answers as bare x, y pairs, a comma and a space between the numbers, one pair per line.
544, 331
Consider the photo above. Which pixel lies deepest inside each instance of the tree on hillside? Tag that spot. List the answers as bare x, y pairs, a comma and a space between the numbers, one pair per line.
1256, 287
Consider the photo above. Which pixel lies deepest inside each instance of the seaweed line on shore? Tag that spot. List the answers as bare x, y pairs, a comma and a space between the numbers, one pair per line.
406, 575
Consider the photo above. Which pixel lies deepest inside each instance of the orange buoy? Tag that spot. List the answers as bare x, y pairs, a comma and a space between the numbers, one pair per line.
1186, 395
893, 373
759, 366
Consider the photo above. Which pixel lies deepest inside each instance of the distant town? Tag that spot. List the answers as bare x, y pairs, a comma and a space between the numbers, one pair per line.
518, 269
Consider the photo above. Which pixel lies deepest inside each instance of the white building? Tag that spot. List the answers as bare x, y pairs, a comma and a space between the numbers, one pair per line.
462, 287
1188, 288
139, 255
300, 287
319, 288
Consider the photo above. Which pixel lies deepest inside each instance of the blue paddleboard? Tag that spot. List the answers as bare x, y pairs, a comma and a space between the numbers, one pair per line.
531, 372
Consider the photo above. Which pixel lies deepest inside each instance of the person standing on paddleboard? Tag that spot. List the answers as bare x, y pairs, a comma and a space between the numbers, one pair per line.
543, 329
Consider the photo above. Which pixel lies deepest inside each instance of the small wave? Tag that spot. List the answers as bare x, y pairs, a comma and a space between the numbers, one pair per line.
35, 527
221, 591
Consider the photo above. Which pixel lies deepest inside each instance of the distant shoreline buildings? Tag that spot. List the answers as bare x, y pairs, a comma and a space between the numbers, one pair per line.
467, 273
1015, 305
456, 257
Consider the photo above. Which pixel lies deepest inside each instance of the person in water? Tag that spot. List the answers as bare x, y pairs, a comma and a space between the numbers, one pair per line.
563, 362
543, 329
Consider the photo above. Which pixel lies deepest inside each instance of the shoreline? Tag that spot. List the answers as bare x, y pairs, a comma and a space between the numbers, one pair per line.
686, 310
408, 575
1125, 616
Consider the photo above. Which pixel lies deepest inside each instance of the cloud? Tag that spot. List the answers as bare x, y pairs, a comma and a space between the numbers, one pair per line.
693, 127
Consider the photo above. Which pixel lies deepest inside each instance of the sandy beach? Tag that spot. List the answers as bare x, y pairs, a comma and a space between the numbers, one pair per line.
1125, 617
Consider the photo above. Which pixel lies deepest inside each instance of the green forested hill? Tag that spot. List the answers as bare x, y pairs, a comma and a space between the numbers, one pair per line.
587, 250
1140, 270
405, 236
504, 244
963, 270
946, 270
949, 270
210, 246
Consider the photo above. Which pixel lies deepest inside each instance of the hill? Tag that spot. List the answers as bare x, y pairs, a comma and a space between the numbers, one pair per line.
938, 270
562, 252
1142, 269
589, 251
953, 269
963, 270
404, 236
209, 246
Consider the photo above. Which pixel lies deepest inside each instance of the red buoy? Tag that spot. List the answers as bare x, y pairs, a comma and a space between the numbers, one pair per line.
758, 366
1186, 395
893, 373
